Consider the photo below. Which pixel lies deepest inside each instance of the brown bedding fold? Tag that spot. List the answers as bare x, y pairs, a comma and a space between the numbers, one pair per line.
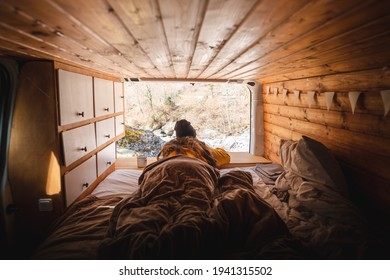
183, 210
78, 234
252, 227
167, 217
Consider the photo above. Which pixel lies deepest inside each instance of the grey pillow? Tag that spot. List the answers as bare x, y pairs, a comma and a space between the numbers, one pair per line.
312, 161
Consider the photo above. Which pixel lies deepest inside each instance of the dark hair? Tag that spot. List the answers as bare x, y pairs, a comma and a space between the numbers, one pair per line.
183, 128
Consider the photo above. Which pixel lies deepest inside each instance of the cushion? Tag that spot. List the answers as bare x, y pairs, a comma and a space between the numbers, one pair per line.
312, 161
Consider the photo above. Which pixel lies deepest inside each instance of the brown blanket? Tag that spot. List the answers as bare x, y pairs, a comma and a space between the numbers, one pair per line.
80, 230
182, 210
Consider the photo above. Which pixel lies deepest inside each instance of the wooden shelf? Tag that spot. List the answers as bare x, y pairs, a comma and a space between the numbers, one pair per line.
131, 163
238, 159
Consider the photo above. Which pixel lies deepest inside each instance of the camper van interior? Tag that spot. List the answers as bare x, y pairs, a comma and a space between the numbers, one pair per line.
315, 183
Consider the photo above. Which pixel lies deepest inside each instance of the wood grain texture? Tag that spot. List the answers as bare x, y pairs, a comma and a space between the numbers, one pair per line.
336, 26
182, 22
261, 22
219, 24
262, 40
297, 24
143, 19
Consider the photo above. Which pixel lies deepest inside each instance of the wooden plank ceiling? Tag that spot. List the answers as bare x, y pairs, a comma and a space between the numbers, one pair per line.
265, 40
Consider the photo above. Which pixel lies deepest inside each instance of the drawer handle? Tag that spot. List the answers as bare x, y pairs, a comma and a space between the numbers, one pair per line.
108, 162
81, 114
108, 135
122, 96
106, 109
122, 123
85, 185
83, 149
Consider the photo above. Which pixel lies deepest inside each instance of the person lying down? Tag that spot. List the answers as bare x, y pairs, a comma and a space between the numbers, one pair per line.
186, 143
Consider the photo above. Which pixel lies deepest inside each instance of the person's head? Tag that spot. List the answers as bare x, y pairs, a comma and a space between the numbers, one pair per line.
183, 128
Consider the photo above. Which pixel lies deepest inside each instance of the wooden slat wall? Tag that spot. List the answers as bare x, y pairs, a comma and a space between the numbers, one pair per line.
258, 24
360, 140
216, 30
263, 40
182, 31
302, 34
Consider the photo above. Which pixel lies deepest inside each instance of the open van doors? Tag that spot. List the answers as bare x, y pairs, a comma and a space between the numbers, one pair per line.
256, 146
8, 85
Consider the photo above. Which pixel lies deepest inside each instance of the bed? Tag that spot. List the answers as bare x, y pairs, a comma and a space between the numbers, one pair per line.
182, 208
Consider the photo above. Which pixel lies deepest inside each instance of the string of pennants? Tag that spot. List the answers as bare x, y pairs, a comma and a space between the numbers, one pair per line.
352, 95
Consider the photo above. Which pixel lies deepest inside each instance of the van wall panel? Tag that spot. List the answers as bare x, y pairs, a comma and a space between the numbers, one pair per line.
360, 140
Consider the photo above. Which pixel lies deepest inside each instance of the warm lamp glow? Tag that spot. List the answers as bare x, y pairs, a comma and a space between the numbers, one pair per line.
53, 182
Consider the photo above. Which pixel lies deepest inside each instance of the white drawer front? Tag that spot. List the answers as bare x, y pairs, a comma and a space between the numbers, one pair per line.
119, 97
78, 142
75, 97
104, 97
119, 125
105, 158
105, 131
77, 180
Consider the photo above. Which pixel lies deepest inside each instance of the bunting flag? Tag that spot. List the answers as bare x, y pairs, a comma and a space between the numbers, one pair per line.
267, 88
328, 98
353, 98
386, 100
296, 95
284, 94
276, 91
310, 96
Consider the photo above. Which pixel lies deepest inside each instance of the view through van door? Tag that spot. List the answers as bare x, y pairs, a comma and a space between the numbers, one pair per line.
220, 113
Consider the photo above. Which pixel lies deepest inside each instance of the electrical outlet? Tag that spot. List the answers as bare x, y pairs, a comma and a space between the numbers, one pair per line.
45, 204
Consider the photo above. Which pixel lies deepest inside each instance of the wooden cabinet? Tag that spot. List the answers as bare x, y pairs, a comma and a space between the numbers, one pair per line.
105, 158
91, 121
52, 145
78, 142
75, 97
105, 131
118, 97
119, 125
79, 179
104, 97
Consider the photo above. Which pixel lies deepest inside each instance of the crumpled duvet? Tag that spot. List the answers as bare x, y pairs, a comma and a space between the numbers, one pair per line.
325, 221
185, 210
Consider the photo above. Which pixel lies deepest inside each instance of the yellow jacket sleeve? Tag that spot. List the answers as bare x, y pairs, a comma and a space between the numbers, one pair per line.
220, 155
